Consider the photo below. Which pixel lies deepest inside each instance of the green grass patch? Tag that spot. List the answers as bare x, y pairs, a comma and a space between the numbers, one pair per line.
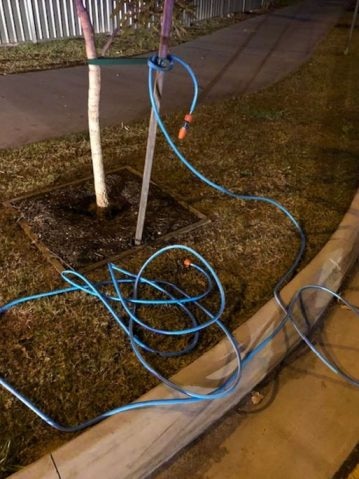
295, 142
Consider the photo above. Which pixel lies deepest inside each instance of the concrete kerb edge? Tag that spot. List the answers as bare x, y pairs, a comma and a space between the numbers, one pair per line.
134, 444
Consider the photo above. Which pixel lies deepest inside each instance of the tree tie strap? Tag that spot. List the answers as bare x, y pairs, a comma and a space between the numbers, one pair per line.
110, 61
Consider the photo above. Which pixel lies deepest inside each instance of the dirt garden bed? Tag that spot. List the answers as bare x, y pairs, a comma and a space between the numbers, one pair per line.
64, 224
295, 142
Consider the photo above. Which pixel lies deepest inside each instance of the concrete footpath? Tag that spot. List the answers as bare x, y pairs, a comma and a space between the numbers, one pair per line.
306, 425
244, 57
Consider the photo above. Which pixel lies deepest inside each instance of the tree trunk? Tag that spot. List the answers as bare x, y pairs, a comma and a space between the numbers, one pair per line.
93, 107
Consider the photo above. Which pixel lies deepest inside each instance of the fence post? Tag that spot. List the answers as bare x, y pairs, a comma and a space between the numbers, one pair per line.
30, 20
4, 32
352, 26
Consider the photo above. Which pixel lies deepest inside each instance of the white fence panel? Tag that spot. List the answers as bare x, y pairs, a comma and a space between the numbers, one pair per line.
39, 20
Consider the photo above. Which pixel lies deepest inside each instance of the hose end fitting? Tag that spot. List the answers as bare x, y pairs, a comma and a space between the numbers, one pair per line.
183, 131
187, 263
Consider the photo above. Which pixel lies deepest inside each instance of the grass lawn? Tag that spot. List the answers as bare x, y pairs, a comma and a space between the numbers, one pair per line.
296, 142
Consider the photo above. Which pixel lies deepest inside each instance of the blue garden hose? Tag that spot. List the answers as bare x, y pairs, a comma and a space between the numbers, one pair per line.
174, 296
154, 66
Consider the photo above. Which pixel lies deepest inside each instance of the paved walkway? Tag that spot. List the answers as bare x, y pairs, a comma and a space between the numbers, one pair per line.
244, 57
306, 425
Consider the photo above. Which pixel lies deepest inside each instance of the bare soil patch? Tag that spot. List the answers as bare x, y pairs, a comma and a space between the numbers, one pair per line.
66, 225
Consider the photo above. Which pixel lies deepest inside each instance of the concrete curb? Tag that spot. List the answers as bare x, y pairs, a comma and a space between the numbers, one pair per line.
134, 444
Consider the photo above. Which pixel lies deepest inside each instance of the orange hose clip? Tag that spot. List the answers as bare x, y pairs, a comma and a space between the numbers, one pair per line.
183, 131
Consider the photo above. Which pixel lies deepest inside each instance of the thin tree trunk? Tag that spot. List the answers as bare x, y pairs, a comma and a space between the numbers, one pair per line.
93, 107
109, 42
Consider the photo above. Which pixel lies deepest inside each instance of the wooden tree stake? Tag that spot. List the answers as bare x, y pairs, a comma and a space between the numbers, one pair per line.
152, 130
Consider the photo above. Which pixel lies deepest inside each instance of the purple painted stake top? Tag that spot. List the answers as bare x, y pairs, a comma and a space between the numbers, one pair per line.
166, 28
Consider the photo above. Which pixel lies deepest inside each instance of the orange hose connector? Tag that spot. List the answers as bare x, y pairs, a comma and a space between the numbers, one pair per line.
183, 131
